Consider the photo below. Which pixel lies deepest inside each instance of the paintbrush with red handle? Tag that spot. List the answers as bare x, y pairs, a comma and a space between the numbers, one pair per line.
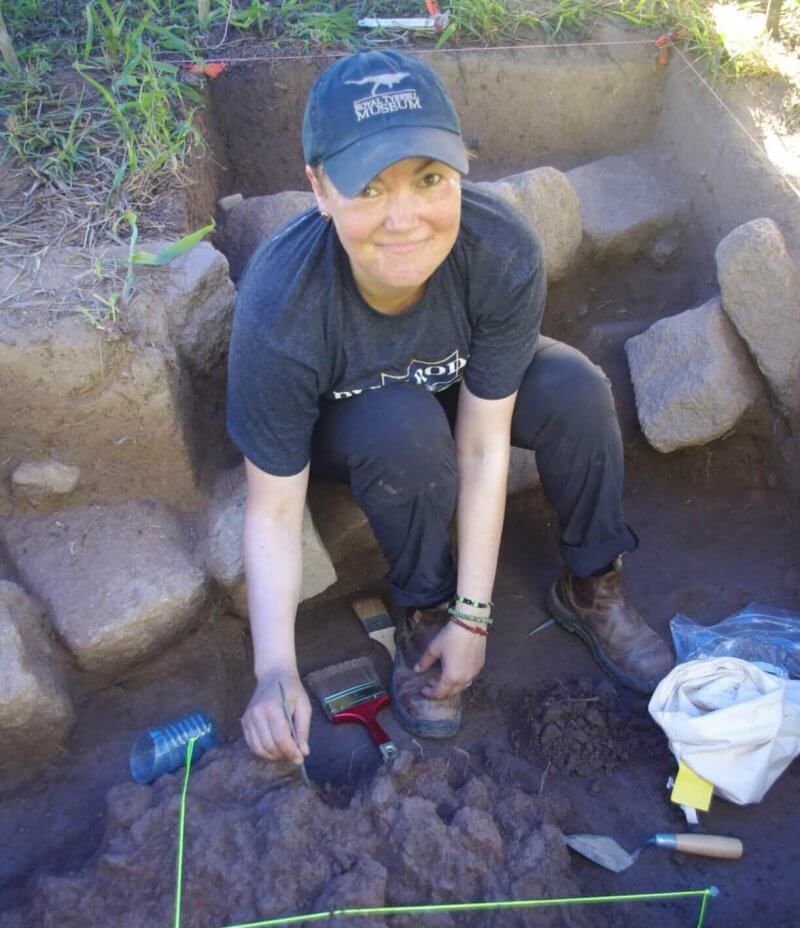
353, 692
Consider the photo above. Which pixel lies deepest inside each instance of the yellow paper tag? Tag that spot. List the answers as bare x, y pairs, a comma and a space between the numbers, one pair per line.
691, 790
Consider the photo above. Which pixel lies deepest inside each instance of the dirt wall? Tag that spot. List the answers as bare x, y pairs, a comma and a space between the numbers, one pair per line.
519, 108
723, 173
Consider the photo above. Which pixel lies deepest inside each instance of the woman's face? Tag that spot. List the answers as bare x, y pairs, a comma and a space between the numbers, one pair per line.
398, 230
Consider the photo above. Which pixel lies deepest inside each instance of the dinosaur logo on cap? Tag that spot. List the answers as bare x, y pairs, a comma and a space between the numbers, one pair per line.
381, 80
379, 104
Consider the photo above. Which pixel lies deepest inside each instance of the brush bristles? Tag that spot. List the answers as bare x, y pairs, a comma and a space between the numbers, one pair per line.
331, 680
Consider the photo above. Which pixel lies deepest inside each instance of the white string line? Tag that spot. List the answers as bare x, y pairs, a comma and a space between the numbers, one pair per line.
738, 122
428, 51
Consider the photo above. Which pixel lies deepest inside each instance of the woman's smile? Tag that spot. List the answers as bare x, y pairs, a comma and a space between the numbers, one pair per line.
403, 248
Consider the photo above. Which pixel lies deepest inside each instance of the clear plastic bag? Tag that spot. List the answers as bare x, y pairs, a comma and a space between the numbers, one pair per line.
760, 634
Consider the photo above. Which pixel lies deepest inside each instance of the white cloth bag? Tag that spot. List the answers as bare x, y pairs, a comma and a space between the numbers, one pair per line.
734, 724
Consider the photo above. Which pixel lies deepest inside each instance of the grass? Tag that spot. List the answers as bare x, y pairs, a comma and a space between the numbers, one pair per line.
96, 112
305, 21
490, 22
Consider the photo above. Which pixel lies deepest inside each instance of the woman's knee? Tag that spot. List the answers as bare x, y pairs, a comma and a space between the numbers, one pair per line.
408, 450
563, 385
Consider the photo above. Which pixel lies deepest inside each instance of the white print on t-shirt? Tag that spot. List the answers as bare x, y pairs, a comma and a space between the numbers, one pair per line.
433, 375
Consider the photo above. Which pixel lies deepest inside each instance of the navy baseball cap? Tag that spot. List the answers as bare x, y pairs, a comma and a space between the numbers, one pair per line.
371, 109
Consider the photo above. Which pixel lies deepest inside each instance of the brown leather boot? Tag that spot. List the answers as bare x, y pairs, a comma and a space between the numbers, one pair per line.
598, 609
423, 717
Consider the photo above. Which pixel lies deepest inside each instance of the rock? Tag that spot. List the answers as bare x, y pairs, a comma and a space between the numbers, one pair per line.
624, 208
761, 294
226, 203
117, 411
118, 580
223, 544
36, 713
187, 304
36, 480
692, 378
200, 297
548, 201
244, 226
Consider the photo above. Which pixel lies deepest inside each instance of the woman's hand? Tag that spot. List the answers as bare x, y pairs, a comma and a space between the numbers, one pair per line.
462, 654
264, 723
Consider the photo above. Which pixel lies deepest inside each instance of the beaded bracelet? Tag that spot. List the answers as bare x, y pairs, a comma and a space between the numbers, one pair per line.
480, 619
470, 628
473, 602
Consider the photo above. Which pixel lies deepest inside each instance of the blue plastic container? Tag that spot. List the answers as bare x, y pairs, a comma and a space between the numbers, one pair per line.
162, 749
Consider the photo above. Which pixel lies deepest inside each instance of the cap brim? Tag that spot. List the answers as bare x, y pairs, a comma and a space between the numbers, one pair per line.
352, 169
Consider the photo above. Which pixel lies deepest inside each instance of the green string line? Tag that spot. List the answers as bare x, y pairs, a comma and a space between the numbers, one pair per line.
486, 906
181, 832
713, 891
706, 894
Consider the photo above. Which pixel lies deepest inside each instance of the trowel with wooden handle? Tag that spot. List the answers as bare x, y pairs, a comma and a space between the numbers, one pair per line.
605, 851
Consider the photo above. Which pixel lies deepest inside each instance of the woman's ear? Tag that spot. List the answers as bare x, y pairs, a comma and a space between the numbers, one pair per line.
318, 187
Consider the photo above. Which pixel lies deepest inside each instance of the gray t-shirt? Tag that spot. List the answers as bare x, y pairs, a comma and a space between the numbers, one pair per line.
302, 333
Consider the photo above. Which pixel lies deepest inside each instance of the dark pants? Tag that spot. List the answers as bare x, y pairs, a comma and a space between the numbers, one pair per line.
395, 449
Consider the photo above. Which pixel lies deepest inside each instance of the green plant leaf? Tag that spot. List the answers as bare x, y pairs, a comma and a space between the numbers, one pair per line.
89, 43
446, 35
175, 249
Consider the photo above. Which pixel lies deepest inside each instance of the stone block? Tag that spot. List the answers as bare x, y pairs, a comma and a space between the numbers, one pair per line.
38, 480
187, 304
624, 207
117, 411
547, 200
223, 544
244, 225
692, 378
36, 712
760, 287
119, 580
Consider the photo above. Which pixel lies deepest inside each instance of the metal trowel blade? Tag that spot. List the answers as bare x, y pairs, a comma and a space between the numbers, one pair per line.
601, 850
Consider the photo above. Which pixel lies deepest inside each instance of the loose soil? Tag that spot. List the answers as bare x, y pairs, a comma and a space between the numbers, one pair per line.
578, 728
259, 845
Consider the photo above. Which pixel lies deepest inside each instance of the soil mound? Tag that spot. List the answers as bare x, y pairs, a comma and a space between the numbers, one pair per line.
260, 845
581, 728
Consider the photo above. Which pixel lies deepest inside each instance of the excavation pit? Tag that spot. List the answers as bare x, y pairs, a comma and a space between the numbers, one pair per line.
662, 175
